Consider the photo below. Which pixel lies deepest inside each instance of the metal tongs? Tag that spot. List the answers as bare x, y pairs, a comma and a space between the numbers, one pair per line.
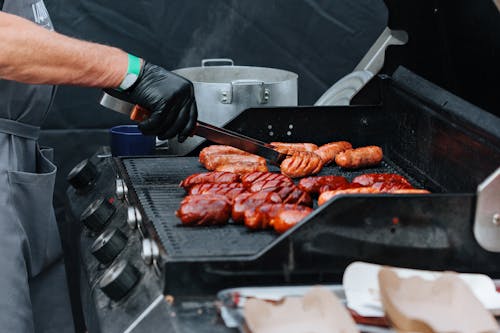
117, 102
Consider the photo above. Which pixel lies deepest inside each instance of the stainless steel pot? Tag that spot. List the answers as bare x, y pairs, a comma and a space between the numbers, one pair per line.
224, 91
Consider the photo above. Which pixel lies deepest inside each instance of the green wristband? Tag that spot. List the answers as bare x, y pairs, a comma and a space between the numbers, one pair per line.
133, 71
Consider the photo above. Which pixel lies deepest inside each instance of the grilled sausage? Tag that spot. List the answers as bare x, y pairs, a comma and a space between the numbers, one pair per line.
328, 151
219, 150
266, 215
230, 191
254, 177
288, 218
313, 185
359, 157
242, 168
214, 161
251, 201
370, 179
263, 184
206, 209
209, 177
325, 196
290, 148
301, 164
291, 194
411, 191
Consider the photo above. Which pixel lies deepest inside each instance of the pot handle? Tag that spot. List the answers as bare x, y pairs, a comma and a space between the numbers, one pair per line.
206, 62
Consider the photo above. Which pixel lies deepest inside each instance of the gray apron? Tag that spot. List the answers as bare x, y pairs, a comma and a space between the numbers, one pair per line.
33, 288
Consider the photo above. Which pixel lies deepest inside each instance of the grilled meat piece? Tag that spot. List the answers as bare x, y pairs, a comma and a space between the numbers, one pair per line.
384, 182
230, 191
266, 215
328, 151
325, 196
315, 185
370, 179
291, 194
209, 177
257, 177
359, 157
205, 209
242, 168
301, 164
264, 184
251, 201
290, 148
214, 161
411, 191
288, 218
219, 150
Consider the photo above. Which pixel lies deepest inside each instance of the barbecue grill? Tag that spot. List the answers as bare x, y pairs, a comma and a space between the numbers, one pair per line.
434, 139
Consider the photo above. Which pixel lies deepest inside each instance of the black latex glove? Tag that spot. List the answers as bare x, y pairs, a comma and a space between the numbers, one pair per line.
170, 98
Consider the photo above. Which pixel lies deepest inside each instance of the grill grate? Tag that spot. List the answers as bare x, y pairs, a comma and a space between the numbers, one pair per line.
155, 182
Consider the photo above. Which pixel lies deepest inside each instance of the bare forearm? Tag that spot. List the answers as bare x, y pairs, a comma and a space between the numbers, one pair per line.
31, 54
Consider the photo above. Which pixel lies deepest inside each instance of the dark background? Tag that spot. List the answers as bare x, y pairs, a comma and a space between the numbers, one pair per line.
455, 44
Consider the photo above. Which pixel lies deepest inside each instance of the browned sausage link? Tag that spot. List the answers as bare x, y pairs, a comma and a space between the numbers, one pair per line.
214, 161
265, 216
230, 191
219, 150
209, 177
328, 151
251, 201
291, 195
312, 185
325, 196
301, 164
242, 168
251, 178
206, 209
369, 179
411, 191
263, 184
289, 218
290, 148
359, 157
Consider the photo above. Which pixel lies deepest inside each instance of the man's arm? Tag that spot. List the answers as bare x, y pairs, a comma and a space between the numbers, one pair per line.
32, 54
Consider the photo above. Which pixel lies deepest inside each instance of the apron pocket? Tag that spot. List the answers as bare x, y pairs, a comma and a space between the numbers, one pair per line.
31, 196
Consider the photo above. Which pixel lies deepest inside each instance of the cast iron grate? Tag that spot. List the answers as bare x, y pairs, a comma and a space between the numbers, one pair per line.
155, 182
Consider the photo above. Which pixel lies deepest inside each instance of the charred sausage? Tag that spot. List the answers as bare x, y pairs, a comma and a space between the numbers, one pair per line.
256, 177
215, 161
325, 196
266, 215
206, 209
242, 168
230, 191
290, 148
301, 164
251, 201
328, 151
288, 218
359, 157
291, 194
313, 185
219, 150
209, 177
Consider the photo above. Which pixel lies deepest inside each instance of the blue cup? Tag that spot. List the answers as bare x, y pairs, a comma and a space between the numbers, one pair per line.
127, 140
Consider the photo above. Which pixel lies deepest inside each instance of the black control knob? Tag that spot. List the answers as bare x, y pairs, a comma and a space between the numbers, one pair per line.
83, 175
108, 245
97, 215
119, 279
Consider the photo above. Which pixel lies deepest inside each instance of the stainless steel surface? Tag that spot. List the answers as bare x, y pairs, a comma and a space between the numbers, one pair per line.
116, 104
131, 217
226, 137
487, 220
121, 190
223, 92
346, 88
